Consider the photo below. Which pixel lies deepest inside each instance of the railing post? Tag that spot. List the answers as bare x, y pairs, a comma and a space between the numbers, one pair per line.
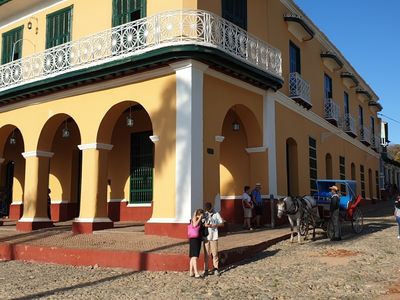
272, 203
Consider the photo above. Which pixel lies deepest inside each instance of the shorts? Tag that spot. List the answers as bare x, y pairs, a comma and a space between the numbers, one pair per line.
259, 210
247, 213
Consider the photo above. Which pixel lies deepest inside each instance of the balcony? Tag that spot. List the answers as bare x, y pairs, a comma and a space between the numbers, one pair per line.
365, 136
144, 43
331, 111
349, 125
299, 90
375, 142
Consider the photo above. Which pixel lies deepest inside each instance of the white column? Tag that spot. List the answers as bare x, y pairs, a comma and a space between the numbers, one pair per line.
269, 140
189, 138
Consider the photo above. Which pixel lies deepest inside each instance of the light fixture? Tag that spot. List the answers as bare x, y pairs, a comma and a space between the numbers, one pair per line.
65, 131
13, 140
29, 25
129, 119
235, 124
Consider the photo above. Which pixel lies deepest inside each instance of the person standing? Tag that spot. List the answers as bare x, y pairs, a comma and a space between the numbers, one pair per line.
195, 244
247, 205
213, 221
258, 203
397, 213
334, 209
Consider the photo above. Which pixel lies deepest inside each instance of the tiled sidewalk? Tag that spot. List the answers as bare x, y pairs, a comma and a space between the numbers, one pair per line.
127, 246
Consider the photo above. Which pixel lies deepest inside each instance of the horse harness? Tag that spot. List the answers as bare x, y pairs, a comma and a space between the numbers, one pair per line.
295, 207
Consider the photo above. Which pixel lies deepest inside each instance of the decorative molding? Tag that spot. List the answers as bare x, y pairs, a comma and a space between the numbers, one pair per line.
219, 138
256, 149
154, 138
97, 146
139, 205
61, 202
37, 153
15, 202
116, 200
189, 63
298, 27
34, 219
168, 220
92, 220
94, 87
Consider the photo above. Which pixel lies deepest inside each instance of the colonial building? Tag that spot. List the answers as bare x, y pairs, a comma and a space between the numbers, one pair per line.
143, 110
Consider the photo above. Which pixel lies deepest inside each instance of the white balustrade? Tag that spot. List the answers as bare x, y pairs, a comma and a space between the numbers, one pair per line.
182, 27
365, 135
299, 88
331, 110
349, 124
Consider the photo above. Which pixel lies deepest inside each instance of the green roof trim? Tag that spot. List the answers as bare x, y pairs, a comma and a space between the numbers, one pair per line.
4, 2
214, 58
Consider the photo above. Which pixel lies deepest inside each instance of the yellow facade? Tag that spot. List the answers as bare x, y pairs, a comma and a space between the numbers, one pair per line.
92, 167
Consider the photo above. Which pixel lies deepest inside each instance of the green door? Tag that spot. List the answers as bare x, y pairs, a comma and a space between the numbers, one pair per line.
142, 165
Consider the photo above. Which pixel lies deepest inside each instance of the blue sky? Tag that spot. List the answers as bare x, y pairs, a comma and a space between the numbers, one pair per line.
367, 32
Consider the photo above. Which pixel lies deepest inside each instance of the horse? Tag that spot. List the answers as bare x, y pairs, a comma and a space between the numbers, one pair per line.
300, 210
293, 208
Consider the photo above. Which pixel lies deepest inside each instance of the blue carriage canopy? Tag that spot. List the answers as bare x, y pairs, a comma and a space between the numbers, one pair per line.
348, 190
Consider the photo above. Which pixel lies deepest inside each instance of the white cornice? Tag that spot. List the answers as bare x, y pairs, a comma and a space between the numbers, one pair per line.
104, 85
189, 63
37, 154
97, 146
256, 149
324, 40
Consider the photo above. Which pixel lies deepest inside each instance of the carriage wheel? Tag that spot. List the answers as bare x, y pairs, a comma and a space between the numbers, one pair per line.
357, 221
304, 224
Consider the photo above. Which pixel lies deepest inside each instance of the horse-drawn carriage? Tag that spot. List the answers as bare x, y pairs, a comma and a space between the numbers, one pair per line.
311, 212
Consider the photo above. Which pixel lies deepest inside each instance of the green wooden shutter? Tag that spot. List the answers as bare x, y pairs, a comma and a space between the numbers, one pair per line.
125, 11
235, 11
58, 27
9, 39
142, 165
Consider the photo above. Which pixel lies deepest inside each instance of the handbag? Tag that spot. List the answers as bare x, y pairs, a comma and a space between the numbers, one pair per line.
193, 231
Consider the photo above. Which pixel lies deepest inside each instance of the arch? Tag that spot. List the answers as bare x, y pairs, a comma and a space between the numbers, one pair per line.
131, 161
328, 166
292, 172
353, 171
13, 167
237, 167
61, 136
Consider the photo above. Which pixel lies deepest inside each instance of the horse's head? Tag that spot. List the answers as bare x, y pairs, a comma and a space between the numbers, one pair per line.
281, 205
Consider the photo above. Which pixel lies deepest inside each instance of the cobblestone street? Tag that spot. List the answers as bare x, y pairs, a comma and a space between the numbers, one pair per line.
366, 266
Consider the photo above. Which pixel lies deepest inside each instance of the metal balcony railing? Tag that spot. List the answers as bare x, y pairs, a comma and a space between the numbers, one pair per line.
349, 124
332, 111
182, 27
299, 89
375, 142
365, 136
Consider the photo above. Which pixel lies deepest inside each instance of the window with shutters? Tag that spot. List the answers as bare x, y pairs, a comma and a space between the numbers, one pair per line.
58, 27
12, 45
312, 147
342, 173
362, 180
235, 11
125, 11
142, 165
